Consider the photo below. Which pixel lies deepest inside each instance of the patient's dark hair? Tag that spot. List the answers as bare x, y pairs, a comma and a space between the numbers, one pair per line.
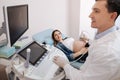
55, 42
112, 6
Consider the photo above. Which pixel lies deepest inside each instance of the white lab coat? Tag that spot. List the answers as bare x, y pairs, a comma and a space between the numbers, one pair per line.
103, 61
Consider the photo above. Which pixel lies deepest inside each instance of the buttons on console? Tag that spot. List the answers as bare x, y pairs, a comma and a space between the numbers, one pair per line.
41, 59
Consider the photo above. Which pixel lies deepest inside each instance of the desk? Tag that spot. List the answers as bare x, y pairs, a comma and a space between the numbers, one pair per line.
45, 70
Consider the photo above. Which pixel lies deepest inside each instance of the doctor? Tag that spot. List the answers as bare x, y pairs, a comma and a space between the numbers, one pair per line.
103, 61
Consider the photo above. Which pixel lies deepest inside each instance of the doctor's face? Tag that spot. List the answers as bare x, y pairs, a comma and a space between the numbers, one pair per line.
100, 17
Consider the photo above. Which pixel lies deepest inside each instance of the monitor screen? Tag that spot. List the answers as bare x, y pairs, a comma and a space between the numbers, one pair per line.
37, 51
16, 19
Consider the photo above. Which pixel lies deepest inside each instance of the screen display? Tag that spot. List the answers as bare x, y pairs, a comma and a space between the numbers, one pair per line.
17, 21
37, 51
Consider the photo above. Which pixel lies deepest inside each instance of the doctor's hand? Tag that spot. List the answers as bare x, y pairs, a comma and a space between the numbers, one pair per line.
60, 61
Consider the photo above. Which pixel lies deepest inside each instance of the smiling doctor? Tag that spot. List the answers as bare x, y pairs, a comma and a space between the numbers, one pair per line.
103, 61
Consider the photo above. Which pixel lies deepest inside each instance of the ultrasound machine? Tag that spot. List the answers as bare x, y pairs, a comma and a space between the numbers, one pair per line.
41, 65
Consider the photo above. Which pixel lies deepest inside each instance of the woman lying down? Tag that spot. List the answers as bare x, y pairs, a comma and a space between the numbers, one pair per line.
75, 50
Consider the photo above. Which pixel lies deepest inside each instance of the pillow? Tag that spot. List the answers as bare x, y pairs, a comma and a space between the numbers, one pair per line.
48, 40
44, 36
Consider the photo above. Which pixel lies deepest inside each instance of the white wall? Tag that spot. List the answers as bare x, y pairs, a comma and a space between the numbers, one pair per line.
85, 22
70, 16
74, 18
43, 14
57, 14
49, 14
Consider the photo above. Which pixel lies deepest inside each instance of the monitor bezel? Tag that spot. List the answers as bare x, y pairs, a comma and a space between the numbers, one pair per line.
5, 11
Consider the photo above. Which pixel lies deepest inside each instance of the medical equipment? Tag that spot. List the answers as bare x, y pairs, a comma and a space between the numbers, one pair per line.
3, 40
37, 52
28, 58
43, 69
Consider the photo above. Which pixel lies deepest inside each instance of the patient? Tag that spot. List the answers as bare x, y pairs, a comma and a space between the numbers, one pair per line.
72, 48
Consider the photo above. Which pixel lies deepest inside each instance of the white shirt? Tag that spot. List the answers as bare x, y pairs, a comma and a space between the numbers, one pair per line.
69, 43
103, 62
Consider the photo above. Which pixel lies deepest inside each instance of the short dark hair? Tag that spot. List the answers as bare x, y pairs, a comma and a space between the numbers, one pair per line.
112, 6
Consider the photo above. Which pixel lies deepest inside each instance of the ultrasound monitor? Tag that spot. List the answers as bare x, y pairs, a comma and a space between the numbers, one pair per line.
37, 52
16, 22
